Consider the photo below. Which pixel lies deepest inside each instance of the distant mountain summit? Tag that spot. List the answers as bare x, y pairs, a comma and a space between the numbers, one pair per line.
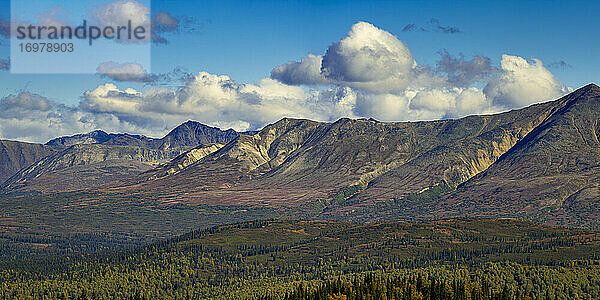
96, 158
15, 156
191, 134
94, 137
183, 137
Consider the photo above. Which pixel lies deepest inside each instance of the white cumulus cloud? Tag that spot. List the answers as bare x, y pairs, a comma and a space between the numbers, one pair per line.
123, 13
368, 58
33, 118
522, 83
367, 54
307, 71
391, 85
216, 100
123, 72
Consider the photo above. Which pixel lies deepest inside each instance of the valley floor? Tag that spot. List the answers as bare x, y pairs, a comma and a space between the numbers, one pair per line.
463, 258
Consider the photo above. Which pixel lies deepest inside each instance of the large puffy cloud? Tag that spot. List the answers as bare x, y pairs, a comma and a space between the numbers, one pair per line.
368, 58
387, 81
307, 71
217, 100
34, 118
367, 54
390, 85
522, 83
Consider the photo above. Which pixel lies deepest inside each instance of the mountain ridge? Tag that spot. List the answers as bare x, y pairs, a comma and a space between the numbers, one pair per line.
94, 137
552, 167
295, 162
186, 135
369, 170
15, 156
117, 157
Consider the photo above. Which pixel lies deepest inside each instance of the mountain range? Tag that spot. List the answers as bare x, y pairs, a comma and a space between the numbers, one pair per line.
96, 158
539, 163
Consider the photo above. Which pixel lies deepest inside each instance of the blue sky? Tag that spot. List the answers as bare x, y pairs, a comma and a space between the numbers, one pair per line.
246, 40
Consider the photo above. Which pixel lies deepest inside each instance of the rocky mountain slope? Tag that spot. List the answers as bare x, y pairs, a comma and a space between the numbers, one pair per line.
97, 158
554, 168
545, 156
94, 137
181, 162
191, 134
183, 137
540, 163
86, 166
383, 160
15, 156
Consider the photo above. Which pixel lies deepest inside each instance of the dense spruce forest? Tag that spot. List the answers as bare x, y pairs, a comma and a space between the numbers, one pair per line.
404, 287
287, 259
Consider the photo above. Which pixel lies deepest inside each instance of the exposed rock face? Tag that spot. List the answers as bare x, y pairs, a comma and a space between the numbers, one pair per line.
180, 162
97, 158
133, 140
15, 156
191, 134
462, 148
392, 159
81, 166
184, 137
545, 155
555, 167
